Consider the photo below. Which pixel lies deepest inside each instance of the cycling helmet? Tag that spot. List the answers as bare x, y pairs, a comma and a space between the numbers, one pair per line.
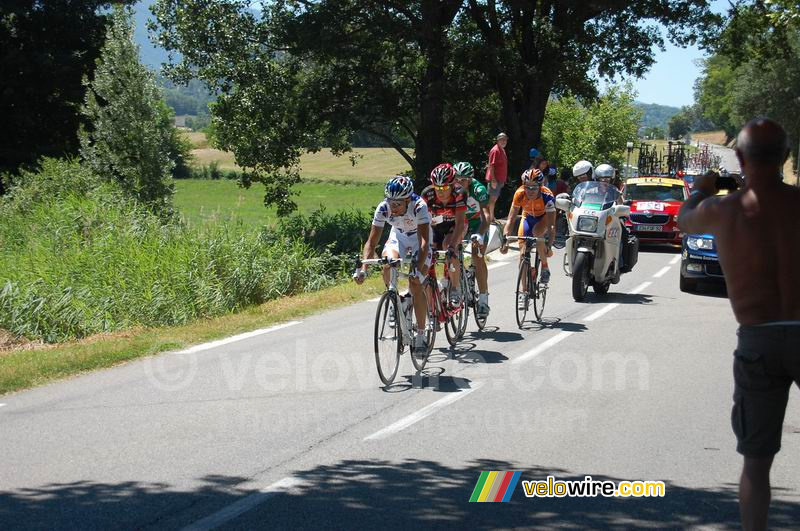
604, 172
443, 174
533, 153
464, 169
532, 176
581, 167
399, 187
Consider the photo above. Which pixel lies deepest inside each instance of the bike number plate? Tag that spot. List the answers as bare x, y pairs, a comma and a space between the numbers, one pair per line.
648, 228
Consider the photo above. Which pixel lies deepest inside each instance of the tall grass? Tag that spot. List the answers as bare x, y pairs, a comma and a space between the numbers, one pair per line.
77, 258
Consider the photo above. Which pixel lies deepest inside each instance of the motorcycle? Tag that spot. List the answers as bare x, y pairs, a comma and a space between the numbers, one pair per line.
593, 249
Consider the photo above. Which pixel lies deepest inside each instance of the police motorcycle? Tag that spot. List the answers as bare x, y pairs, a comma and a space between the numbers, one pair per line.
594, 248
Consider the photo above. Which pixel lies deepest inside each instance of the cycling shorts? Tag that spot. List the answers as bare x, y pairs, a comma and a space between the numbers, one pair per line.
404, 245
527, 224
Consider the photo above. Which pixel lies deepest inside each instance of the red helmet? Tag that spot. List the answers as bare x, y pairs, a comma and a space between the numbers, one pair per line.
443, 174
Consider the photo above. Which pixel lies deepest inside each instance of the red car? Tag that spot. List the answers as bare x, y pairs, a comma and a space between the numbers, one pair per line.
655, 202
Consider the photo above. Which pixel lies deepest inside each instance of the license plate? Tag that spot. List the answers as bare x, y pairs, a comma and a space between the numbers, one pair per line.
648, 228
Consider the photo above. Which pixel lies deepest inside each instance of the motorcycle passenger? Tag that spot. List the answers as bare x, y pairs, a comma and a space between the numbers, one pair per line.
583, 171
607, 173
447, 203
538, 217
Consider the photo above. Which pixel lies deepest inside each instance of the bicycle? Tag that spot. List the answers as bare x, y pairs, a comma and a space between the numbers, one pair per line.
453, 318
529, 288
471, 293
394, 330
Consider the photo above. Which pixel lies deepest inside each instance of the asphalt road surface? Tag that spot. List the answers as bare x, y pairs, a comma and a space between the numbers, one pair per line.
289, 427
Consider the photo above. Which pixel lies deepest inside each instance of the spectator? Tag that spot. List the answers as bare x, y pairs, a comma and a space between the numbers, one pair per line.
562, 185
757, 236
496, 172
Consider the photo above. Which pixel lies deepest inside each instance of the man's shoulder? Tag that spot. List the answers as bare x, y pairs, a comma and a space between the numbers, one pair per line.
426, 192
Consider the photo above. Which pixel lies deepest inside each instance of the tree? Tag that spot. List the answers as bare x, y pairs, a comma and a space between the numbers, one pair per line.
595, 131
301, 75
680, 124
46, 48
652, 133
130, 138
714, 93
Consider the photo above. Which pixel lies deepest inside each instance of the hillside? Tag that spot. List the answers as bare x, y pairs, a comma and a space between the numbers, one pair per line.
655, 115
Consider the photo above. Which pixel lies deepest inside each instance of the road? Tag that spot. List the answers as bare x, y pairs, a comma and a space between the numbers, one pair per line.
288, 427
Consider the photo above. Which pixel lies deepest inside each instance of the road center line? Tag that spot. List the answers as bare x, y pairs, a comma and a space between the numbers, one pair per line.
541, 348
675, 260
245, 504
239, 337
2, 405
427, 411
661, 272
602, 311
497, 264
640, 288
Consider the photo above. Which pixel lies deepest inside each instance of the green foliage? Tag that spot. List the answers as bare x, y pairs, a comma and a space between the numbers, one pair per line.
131, 139
680, 125
47, 47
714, 93
81, 258
655, 116
597, 131
653, 133
341, 232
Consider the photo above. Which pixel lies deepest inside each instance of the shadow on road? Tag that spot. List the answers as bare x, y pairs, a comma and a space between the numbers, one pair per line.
374, 494
628, 298
711, 289
555, 324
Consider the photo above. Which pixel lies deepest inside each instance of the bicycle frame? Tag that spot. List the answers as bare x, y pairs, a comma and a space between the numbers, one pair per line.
394, 277
443, 257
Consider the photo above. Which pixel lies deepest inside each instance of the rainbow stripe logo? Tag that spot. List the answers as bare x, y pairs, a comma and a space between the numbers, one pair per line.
494, 486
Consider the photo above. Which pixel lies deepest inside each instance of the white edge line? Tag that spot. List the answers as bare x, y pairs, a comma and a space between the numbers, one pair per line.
640, 288
415, 417
661, 272
541, 348
602, 311
239, 337
376, 299
675, 260
2, 405
495, 265
242, 506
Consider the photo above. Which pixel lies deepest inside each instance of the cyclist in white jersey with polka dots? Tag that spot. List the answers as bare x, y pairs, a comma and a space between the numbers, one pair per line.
410, 220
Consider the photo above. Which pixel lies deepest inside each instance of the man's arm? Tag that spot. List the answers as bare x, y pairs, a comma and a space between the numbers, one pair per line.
701, 213
458, 230
512, 216
372, 241
483, 228
550, 220
423, 233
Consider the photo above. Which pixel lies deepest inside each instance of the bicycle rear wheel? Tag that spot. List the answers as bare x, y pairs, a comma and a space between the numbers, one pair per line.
467, 299
479, 321
538, 291
522, 301
388, 338
452, 324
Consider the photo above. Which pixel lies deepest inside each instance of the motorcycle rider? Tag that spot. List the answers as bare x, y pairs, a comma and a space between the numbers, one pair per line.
583, 171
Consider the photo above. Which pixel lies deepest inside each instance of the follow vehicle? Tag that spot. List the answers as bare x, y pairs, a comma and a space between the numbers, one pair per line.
655, 203
593, 249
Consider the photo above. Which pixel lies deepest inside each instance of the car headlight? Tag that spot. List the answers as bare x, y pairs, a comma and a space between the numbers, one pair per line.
696, 244
587, 223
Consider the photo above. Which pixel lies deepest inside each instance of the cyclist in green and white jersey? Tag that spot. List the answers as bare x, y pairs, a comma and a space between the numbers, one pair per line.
477, 223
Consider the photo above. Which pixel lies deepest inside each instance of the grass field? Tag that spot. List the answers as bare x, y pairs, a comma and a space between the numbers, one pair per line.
372, 164
202, 202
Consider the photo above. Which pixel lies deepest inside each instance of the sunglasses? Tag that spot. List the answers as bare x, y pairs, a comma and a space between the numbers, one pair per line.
532, 188
441, 188
397, 202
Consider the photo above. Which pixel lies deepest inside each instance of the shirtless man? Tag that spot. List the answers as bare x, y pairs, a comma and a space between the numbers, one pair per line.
757, 235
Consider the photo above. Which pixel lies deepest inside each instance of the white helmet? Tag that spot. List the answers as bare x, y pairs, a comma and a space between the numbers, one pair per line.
581, 167
605, 172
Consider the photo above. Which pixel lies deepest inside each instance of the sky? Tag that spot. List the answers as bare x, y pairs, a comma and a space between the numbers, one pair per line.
670, 80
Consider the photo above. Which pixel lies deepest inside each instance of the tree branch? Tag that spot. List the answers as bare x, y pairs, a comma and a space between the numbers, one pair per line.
396, 145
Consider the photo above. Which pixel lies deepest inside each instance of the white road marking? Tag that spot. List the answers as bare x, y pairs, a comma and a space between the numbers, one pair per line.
602, 311
640, 288
495, 265
661, 272
675, 260
245, 504
2, 405
421, 414
541, 348
376, 299
233, 339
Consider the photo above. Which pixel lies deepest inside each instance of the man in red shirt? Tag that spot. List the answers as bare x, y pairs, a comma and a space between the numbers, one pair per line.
496, 172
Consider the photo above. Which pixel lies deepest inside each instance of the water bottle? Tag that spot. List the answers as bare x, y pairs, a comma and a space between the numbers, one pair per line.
443, 283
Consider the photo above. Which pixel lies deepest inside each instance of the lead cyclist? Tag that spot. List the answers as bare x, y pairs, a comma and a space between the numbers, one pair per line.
408, 215
477, 225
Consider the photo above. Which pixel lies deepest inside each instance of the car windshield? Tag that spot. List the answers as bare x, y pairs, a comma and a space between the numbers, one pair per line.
595, 194
655, 192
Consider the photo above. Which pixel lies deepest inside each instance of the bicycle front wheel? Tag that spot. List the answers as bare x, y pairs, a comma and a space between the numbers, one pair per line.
538, 292
479, 321
388, 338
468, 299
429, 329
522, 301
452, 324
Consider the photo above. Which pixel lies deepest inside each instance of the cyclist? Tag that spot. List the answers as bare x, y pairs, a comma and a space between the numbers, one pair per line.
538, 217
447, 203
477, 224
408, 215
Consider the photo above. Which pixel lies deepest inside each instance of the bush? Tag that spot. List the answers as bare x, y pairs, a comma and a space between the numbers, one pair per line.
81, 258
342, 232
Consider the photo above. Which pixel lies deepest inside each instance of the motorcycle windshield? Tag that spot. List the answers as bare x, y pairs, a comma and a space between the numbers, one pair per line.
596, 195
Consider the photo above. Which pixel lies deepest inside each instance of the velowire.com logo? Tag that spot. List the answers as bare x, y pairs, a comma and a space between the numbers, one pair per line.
494, 486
